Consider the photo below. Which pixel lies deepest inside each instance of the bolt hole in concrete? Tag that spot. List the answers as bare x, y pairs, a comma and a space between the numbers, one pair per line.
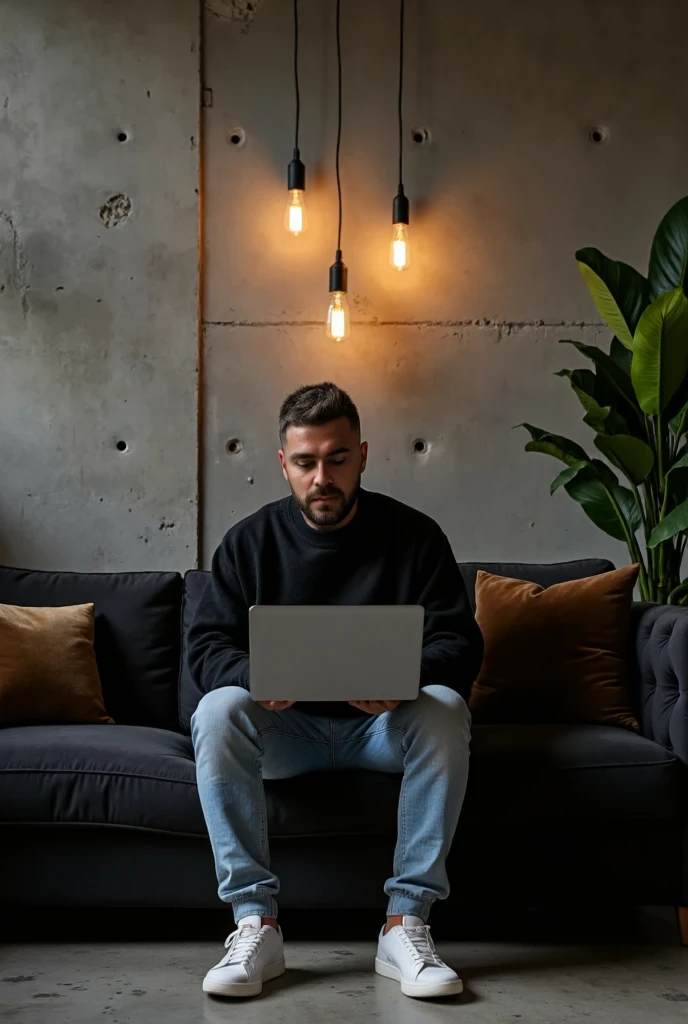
599, 134
116, 210
122, 446
421, 136
122, 136
233, 446
236, 136
420, 446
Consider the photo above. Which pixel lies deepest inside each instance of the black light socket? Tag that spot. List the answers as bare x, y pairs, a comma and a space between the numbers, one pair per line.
296, 174
400, 211
338, 274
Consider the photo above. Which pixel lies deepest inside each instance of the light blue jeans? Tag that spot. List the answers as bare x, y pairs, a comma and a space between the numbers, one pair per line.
237, 743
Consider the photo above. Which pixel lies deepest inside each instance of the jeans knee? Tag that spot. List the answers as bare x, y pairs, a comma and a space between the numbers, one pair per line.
444, 709
226, 704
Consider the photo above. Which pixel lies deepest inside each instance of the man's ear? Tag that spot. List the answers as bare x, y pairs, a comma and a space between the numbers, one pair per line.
364, 455
283, 464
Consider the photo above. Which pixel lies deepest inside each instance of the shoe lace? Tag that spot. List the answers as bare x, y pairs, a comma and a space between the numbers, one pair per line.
241, 945
421, 947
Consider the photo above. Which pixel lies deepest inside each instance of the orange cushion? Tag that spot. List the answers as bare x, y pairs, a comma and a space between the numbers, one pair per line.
48, 670
555, 655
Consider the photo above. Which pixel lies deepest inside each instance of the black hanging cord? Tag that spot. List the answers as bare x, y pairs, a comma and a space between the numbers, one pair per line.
400, 208
401, 92
296, 74
338, 270
296, 173
339, 125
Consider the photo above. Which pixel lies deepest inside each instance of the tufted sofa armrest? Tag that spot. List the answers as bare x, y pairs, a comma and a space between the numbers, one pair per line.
659, 674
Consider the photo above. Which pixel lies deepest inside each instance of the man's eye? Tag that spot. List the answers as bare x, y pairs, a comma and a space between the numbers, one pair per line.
337, 462
305, 465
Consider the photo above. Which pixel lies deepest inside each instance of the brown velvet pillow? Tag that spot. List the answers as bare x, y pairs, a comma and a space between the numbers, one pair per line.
48, 670
555, 655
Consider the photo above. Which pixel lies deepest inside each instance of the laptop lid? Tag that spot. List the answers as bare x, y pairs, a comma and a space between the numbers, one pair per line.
335, 652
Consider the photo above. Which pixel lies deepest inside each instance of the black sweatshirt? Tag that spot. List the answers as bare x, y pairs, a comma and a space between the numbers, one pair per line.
388, 554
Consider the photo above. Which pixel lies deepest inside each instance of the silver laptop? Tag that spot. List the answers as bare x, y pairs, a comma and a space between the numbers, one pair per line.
335, 652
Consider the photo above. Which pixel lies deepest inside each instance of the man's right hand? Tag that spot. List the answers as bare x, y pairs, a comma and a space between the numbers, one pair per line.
275, 705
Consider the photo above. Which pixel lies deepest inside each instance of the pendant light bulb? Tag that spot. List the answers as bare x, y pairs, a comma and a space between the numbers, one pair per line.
338, 326
399, 250
338, 320
295, 215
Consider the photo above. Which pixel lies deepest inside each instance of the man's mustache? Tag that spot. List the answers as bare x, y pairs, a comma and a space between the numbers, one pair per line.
325, 494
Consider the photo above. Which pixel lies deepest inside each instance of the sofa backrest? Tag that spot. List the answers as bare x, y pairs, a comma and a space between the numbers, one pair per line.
189, 694
544, 575
137, 634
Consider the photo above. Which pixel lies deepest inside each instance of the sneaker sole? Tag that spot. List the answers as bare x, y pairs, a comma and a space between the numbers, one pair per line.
237, 990
413, 989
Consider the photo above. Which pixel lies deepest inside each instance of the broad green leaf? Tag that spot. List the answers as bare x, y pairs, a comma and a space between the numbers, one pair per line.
679, 595
669, 255
677, 480
566, 475
675, 522
660, 353
612, 371
587, 489
555, 445
621, 355
629, 454
679, 423
681, 463
605, 475
597, 398
618, 291
678, 403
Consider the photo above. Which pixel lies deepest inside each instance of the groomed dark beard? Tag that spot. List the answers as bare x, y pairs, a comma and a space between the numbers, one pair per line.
326, 517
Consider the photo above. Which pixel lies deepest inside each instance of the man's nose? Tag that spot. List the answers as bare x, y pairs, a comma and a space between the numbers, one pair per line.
322, 475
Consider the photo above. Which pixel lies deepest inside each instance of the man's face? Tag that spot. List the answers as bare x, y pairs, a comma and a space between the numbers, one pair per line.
323, 467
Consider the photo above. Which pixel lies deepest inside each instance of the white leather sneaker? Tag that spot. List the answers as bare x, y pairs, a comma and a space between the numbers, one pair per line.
255, 953
407, 954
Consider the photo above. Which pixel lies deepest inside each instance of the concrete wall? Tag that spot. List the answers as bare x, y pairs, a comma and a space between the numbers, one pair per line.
463, 345
98, 294
98, 283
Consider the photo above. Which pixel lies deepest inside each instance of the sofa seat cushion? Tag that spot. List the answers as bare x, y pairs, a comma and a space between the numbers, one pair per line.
126, 775
138, 777
572, 774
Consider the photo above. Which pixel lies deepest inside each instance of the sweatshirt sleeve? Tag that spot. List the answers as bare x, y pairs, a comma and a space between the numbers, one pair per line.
452, 641
218, 638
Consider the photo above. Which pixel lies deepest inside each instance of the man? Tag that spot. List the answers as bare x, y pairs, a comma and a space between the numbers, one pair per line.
331, 542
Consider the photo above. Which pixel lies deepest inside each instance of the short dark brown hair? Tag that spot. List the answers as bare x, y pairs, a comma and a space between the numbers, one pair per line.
315, 405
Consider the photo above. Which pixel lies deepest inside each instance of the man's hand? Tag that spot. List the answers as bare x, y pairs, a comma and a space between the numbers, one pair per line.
275, 705
375, 707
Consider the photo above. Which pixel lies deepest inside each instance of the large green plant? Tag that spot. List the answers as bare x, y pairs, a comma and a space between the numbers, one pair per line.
635, 399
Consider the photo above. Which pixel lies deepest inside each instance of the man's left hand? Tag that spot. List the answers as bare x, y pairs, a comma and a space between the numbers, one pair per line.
375, 707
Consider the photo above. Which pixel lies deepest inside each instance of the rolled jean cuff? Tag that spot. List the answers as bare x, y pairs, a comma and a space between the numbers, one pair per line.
401, 905
260, 906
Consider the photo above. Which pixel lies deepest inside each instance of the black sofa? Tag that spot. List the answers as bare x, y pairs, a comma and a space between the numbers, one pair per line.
109, 816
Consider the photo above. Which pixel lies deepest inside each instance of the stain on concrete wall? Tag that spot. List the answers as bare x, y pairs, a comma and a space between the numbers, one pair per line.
243, 11
98, 283
512, 181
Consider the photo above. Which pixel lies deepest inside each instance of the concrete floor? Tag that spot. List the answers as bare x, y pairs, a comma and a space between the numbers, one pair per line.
630, 971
